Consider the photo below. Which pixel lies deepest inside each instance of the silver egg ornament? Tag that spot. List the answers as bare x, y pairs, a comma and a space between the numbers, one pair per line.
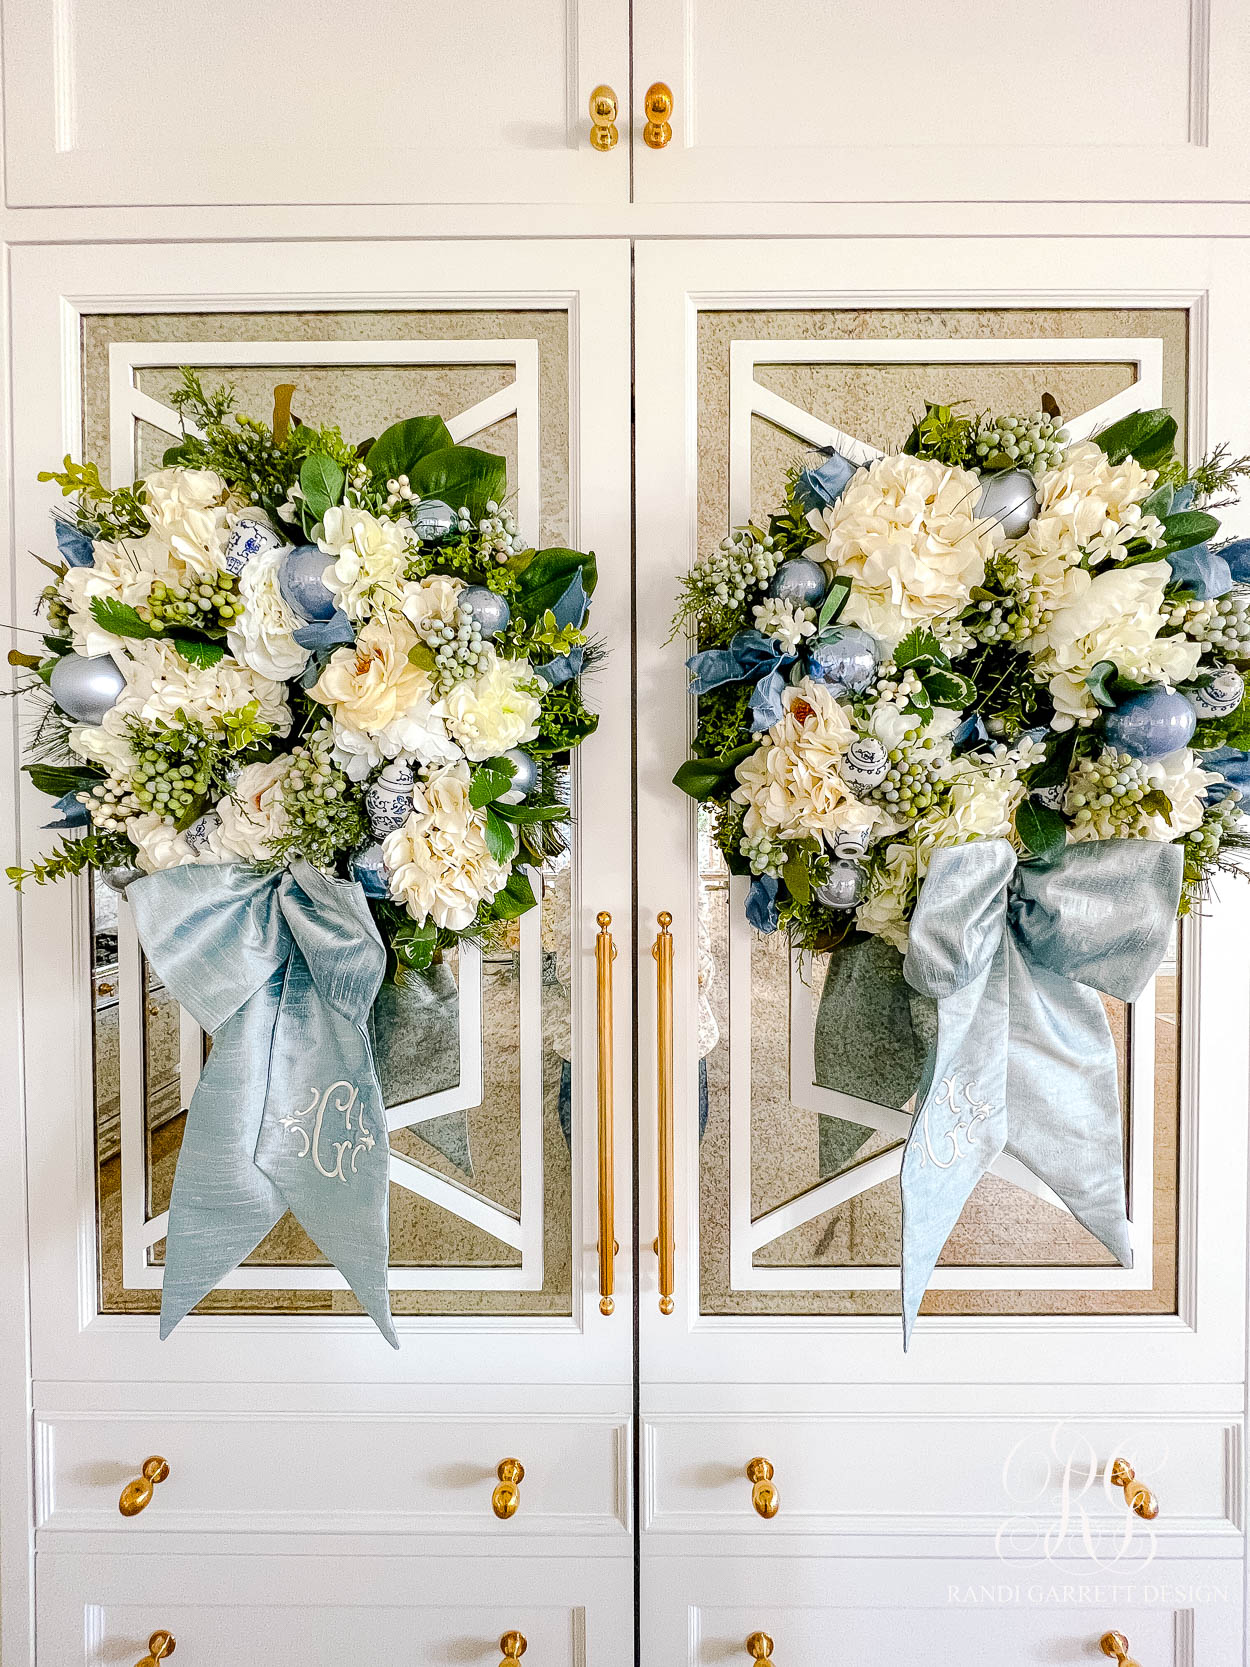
845, 658
1009, 500
301, 579
1219, 698
433, 520
117, 879
388, 800
800, 582
524, 777
488, 608
369, 871
86, 686
845, 886
249, 538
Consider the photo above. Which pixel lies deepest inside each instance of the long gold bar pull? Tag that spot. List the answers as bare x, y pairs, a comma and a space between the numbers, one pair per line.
665, 1244
605, 954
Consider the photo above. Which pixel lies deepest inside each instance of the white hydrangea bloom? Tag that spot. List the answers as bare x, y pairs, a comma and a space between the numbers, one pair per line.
160, 845
370, 560
887, 908
1090, 504
190, 509
495, 710
126, 572
439, 865
254, 815
160, 684
982, 805
263, 634
1183, 779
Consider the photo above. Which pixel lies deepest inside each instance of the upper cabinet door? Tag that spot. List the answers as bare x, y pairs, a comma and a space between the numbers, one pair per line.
961, 101
229, 102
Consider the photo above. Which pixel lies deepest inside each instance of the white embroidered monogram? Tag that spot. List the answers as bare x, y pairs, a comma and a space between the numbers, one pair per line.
345, 1102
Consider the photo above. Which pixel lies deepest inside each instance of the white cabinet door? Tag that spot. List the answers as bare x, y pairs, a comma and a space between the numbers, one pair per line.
903, 101
233, 103
784, 1194
495, 1189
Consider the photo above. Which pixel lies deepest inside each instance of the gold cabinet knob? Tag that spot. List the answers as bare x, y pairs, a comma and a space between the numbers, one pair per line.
763, 1494
514, 1646
507, 1496
760, 1647
603, 112
137, 1495
160, 1645
1116, 1644
1137, 1496
658, 105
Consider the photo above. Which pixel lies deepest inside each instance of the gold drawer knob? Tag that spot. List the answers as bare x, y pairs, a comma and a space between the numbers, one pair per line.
760, 1647
507, 1495
514, 1646
1137, 1496
1116, 1644
763, 1494
658, 106
137, 1495
603, 111
160, 1645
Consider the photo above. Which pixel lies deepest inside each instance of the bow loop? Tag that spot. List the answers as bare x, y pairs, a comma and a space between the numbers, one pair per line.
960, 917
330, 921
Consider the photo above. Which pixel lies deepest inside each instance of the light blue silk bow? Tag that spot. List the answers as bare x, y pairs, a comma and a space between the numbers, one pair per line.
1014, 957
282, 969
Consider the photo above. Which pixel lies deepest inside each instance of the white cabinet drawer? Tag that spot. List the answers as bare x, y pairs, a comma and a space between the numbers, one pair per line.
853, 1473
326, 1612
350, 1473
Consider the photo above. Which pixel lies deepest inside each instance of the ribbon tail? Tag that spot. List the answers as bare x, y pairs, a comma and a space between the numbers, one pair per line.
222, 1205
874, 1032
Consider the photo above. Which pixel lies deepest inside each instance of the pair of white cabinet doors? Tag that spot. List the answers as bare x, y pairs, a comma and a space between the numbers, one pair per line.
643, 326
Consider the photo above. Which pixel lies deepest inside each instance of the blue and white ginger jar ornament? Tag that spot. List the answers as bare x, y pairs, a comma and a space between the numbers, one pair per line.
248, 538
1219, 698
388, 800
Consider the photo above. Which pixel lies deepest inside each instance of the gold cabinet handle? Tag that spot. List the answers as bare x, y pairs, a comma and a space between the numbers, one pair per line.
1116, 1644
603, 112
507, 1496
665, 1244
764, 1495
760, 1647
658, 106
605, 954
137, 1495
514, 1646
1137, 1496
160, 1645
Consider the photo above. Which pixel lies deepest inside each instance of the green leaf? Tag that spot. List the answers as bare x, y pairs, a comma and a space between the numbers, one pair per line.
421, 654
489, 780
1157, 803
414, 945
1098, 682
500, 840
399, 448
1185, 529
834, 602
120, 619
920, 704
198, 653
461, 476
1160, 501
1054, 768
56, 779
321, 480
949, 688
919, 644
701, 777
798, 881
524, 814
545, 575
1146, 435
515, 898
1043, 832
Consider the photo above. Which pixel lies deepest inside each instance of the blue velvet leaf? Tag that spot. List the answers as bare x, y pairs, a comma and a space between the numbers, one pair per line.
1201, 572
761, 907
74, 545
326, 633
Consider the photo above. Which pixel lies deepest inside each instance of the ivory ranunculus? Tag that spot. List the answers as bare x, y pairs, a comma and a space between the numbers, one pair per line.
905, 531
887, 908
439, 865
381, 703
263, 636
495, 710
791, 784
254, 814
1183, 779
371, 558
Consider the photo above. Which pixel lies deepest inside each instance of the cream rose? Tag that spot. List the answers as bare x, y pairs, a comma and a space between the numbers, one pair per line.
790, 784
439, 865
254, 815
382, 704
431, 605
370, 560
263, 635
495, 710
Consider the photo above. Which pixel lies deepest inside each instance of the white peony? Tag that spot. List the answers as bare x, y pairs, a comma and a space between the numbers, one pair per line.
791, 784
190, 509
431, 604
263, 635
439, 865
1090, 504
496, 709
254, 816
370, 560
161, 685
905, 531
382, 704
891, 897
1114, 615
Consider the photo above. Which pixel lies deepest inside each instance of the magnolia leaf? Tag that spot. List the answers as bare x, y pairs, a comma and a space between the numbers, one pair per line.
500, 840
461, 476
321, 481
546, 579
701, 777
1098, 682
1146, 435
489, 780
521, 815
1055, 766
421, 654
515, 898
398, 449
1157, 803
798, 881
59, 779
1042, 831
1188, 526
120, 619
281, 425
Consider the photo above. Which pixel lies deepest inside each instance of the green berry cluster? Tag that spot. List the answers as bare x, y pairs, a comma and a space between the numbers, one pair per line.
325, 810
765, 855
1005, 608
1109, 796
497, 531
206, 604
1223, 623
718, 588
173, 768
1036, 442
913, 780
457, 650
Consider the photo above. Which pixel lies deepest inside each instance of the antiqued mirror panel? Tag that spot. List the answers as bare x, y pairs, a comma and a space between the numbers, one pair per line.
799, 1200
475, 1055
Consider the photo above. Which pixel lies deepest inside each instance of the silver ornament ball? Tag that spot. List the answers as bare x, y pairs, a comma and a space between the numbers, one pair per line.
301, 579
488, 608
845, 886
1219, 698
369, 871
433, 520
1010, 500
524, 779
845, 658
117, 879
799, 581
86, 686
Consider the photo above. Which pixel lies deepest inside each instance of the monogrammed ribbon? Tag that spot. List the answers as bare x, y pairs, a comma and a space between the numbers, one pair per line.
282, 969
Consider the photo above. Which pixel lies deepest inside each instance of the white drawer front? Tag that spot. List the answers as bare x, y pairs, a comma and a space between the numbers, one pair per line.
348, 1473
985, 1475
326, 1612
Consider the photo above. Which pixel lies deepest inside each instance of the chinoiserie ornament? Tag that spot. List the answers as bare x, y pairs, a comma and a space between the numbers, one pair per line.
301, 579
200, 834
845, 886
1050, 798
1009, 500
864, 764
1220, 697
388, 800
524, 777
248, 537
86, 686
844, 657
850, 842
488, 608
798, 581
1150, 725
433, 520
369, 870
